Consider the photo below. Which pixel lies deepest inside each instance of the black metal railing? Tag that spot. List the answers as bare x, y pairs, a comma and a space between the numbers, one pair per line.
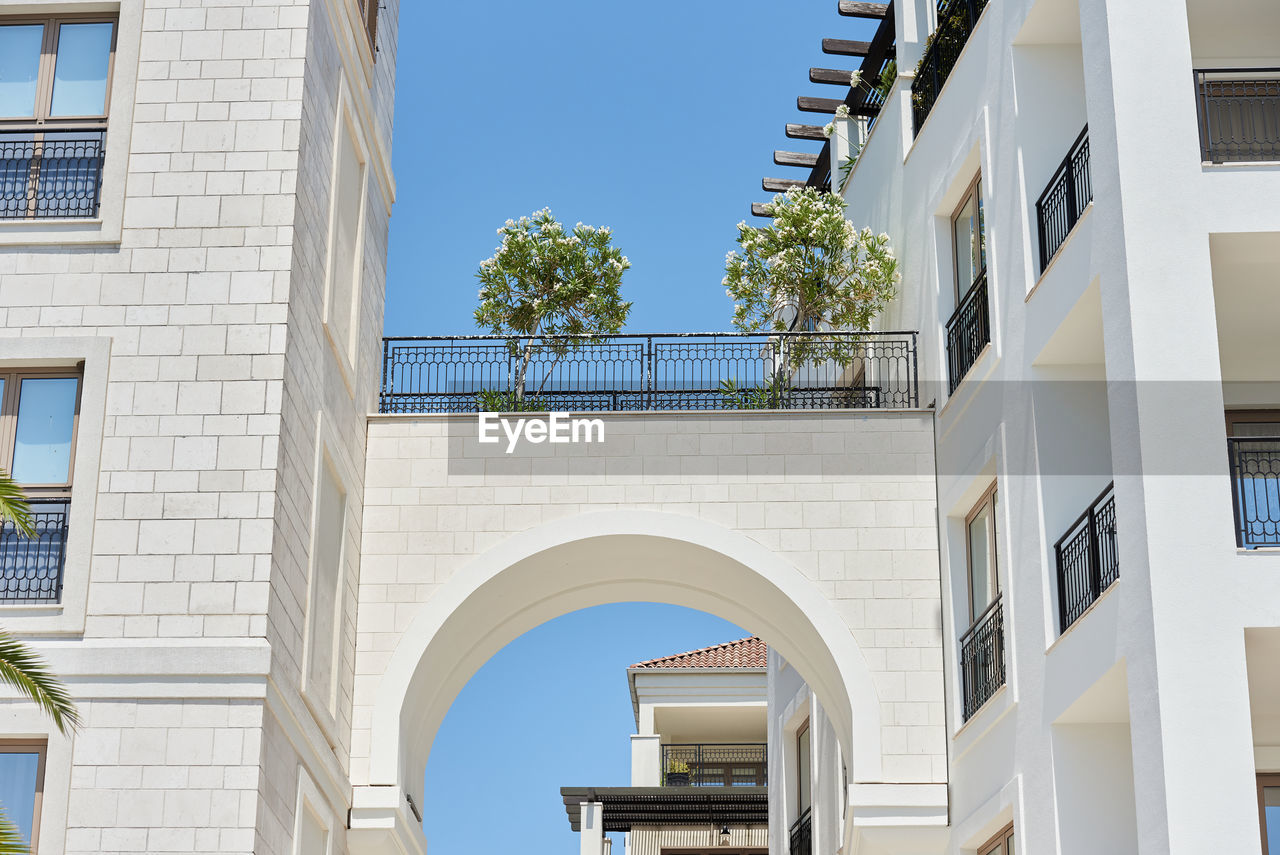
1087, 559
1064, 200
968, 332
696, 371
1239, 111
956, 20
802, 834
982, 658
1255, 490
742, 764
51, 174
31, 567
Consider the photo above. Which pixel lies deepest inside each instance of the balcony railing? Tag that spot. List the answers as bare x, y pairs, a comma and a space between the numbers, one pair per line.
51, 174
802, 834
982, 658
968, 332
719, 765
1064, 200
956, 20
31, 567
1087, 559
1239, 114
1255, 490
697, 371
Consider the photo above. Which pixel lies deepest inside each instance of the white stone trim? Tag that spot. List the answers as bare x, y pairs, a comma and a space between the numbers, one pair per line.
309, 796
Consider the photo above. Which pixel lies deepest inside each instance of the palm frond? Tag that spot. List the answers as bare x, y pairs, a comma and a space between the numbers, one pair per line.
13, 505
11, 842
22, 669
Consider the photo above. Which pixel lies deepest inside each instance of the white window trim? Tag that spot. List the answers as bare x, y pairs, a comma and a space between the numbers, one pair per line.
27, 722
309, 795
346, 351
108, 226
68, 616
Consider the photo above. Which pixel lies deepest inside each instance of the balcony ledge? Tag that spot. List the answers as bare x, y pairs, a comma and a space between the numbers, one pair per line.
1053, 262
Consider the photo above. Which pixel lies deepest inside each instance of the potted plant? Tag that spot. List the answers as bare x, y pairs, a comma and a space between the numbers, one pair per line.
677, 773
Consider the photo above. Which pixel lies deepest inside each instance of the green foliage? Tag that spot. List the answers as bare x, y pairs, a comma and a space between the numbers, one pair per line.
888, 75
22, 669
11, 842
770, 396
544, 280
950, 36
13, 505
502, 401
677, 767
809, 269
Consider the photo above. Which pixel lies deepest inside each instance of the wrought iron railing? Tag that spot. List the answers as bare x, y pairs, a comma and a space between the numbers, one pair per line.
802, 834
1087, 559
968, 332
1239, 114
715, 765
51, 174
696, 371
1255, 490
956, 20
982, 658
31, 567
1064, 200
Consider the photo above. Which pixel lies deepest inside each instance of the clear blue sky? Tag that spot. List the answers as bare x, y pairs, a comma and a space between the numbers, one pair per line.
659, 120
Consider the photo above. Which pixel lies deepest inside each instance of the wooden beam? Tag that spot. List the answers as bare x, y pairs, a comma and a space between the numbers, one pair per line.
853, 9
781, 185
762, 209
834, 76
805, 132
807, 104
795, 158
845, 47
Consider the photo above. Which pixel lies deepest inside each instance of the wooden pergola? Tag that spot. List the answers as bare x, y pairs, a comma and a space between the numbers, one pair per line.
863, 101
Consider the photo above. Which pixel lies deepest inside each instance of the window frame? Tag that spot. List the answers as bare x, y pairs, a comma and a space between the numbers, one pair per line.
39, 747
1264, 780
804, 761
988, 500
1238, 417
369, 10
9, 402
347, 351
998, 844
979, 264
325, 705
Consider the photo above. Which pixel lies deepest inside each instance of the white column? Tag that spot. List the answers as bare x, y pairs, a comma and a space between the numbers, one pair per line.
646, 760
592, 829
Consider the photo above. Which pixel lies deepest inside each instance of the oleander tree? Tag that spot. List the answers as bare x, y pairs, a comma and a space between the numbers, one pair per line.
546, 281
20, 667
810, 269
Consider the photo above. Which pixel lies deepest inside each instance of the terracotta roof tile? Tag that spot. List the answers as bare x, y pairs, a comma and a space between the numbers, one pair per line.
743, 653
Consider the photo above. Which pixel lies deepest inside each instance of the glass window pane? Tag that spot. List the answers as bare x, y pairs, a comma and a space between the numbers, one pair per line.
19, 68
18, 789
1008, 846
980, 561
802, 770
1271, 813
80, 72
980, 230
46, 417
962, 233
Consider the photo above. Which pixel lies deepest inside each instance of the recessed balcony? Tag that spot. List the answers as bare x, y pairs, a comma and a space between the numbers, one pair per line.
956, 21
1063, 201
1239, 113
31, 567
51, 174
801, 834
982, 669
1087, 559
740, 764
968, 332
1255, 488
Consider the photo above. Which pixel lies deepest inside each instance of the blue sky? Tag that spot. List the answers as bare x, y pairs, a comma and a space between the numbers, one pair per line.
656, 119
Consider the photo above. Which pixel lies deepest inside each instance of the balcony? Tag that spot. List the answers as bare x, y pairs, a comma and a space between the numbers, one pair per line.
1087, 559
51, 174
651, 373
802, 834
982, 658
968, 332
715, 765
31, 567
956, 20
1255, 493
1239, 112
1063, 201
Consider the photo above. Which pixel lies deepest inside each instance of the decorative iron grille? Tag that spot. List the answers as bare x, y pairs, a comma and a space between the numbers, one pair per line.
1239, 114
1064, 200
968, 332
1255, 490
710, 765
696, 371
51, 174
956, 20
31, 567
982, 658
1087, 559
802, 834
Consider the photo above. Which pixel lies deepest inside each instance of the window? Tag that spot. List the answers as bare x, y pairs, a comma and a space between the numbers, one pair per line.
324, 609
369, 11
803, 777
344, 239
39, 414
969, 329
55, 76
1269, 813
980, 536
22, 787
970, 240
1001, 844
313, 819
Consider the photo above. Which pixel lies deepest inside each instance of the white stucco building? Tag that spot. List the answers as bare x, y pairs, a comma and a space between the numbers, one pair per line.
1016, 566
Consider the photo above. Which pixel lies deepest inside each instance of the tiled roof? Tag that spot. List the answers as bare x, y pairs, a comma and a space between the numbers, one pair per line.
743, 653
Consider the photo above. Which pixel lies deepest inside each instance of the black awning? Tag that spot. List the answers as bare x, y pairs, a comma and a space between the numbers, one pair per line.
628, 806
